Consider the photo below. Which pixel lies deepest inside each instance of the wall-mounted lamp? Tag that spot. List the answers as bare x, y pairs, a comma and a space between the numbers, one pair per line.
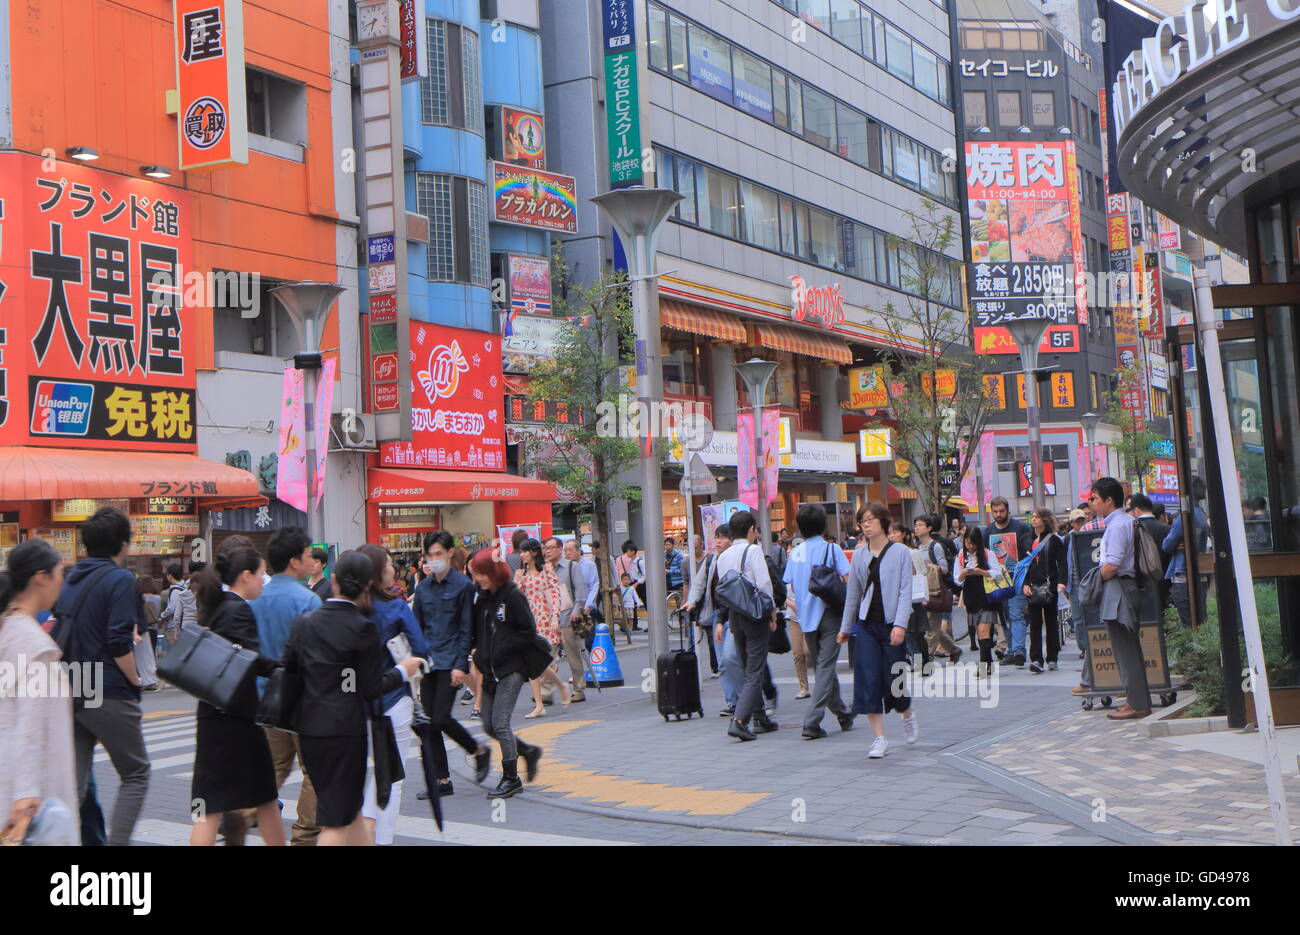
82, 153
156, 172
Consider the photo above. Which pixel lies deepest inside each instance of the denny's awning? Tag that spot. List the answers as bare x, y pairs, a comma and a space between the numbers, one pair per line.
28, 473
412, 485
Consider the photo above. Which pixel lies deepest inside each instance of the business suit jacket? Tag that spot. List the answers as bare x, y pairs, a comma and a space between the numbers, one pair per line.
322, 645
895, 586
233, 619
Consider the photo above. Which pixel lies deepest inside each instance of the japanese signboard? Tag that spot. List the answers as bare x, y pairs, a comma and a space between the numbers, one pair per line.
1168, 234
523, 138
1062, 390
456, 402
867, 388
622, 96
414, 39
1125, 325
1024, 220
212, 123
1057, 339
1131, 397
530, 284
530, 341
534, 198
96, 344
1153, 322
995, 390
1031, 67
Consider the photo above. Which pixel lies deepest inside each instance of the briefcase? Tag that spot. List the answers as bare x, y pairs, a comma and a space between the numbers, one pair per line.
209, 667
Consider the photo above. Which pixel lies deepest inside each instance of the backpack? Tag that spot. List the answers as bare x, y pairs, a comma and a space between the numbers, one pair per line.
1146, 555
779, 591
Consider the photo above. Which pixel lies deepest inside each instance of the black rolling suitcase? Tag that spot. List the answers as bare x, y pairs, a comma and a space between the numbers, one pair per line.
678, 677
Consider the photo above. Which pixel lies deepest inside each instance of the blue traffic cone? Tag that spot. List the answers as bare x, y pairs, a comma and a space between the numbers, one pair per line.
604, 660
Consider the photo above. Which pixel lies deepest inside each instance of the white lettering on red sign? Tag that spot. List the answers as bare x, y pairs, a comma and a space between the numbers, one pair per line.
821, 305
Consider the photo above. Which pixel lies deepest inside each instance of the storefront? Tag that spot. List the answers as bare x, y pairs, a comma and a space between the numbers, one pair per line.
1210, 139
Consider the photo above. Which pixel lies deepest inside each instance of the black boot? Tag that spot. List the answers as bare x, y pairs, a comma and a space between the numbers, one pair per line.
509, 784
740, 731
986, 656
763, 724
532, 756
482, 763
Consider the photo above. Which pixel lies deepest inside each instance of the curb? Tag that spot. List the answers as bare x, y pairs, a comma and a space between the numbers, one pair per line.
1167, 723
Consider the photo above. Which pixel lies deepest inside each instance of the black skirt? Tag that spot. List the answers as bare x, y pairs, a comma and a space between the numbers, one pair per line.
337, 767
232, 763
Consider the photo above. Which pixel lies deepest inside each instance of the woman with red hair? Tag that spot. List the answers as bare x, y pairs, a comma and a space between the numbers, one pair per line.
503, 631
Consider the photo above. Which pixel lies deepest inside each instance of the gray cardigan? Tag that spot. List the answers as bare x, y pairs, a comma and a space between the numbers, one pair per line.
895, 586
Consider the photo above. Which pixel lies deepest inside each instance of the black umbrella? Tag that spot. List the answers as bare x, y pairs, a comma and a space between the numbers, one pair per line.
424, 729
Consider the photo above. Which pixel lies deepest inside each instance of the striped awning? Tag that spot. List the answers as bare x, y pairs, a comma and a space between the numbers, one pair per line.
902, 493
697, 319
807, 343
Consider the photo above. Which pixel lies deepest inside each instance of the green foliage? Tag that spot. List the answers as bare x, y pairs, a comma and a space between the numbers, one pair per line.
1135, 440
927, 425
1195, 652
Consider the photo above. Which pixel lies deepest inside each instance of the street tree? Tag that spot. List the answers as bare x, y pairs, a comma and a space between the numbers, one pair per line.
936, 388
570, 444
1135, 443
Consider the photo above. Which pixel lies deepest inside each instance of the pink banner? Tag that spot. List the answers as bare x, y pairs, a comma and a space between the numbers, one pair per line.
746, 470
988, 465
1086, 476
291, 477
321, 413
967, 492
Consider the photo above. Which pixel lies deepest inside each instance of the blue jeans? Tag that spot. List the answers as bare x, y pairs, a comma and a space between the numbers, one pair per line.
1016, 621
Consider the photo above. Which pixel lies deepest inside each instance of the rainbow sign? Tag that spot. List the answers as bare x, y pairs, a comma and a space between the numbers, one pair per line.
534, 198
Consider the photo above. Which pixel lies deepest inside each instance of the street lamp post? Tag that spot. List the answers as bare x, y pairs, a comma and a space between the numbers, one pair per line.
1027, 332
756, 373
307, 304
636, 214
1089, 421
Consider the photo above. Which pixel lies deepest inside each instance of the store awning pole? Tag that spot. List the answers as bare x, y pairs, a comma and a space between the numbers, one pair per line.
1217, 402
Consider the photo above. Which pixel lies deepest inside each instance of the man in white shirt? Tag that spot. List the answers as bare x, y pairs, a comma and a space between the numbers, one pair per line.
752, 637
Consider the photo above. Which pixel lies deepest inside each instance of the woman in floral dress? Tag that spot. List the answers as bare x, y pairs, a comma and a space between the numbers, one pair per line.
542, 589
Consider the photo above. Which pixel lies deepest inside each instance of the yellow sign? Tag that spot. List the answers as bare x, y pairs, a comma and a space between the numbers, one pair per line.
902, 467
874, 445
1063, 390
995, 389
74, 511
1020, 391
785, 436
947, 383
867, 388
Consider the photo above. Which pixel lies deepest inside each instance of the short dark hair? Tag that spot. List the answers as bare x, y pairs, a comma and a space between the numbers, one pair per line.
811, 520
105, 533
999, 501
1107, 488
724, 531
556, 539
174, 571
353, 573
439, 537
1142, 502
517, 537
669, 540
284, 546
741, 522
629, 544
1157, 510
879, 511
25, 561
930, 521
321, 555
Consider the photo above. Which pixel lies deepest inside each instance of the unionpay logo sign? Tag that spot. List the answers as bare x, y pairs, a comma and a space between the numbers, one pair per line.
61, 408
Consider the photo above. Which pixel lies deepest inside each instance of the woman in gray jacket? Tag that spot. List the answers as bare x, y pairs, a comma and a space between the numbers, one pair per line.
877, 609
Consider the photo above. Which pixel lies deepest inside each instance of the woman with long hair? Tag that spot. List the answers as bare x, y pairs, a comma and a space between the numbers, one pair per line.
878, 607
344, 670
542, 589
392, 617
901, 535
1048, 570
972, 567
35, 727
503, 629
233, 769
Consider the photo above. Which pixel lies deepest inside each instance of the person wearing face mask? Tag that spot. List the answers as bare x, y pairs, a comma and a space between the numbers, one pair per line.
443, 603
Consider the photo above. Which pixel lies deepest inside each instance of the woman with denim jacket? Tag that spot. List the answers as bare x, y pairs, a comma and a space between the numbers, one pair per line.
877, 607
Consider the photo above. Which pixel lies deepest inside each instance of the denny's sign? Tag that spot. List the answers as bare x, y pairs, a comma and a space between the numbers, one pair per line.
212, 119
816, 305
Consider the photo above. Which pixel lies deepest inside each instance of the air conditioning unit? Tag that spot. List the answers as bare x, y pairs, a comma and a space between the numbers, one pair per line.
353, 431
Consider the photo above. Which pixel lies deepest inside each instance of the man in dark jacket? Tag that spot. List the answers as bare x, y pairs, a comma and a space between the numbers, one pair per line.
442, 608
97, 613
1013, 532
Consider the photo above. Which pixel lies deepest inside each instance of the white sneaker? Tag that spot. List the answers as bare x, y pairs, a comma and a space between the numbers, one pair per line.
910, 728
879, 747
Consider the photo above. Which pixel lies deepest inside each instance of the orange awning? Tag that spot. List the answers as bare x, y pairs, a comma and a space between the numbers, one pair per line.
697, 319
807, 343
414, 485
65, 473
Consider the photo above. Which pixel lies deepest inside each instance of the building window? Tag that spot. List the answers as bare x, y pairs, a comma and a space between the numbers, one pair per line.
710, 60
898, 53
685, 365
719, 208
456, 208
1043, 104
852, 140
753, 84
846, 23
975, 104
818, 118
761, 225
452, 93
1009, 109
277, 108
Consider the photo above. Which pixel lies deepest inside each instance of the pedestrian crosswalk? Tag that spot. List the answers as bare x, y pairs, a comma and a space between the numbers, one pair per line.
170, 742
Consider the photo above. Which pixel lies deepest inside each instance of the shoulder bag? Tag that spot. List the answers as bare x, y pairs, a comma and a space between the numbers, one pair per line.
209, 667
279, 701
939, 597
741, 596
824, 582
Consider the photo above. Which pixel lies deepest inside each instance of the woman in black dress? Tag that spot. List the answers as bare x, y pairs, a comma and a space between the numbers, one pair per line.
344, 671
232, 762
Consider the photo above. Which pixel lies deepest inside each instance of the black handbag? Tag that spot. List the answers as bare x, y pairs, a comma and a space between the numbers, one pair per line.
779, 643
387, 758
741, 596
1041, 595
209, 667
537, 656
279, 705
825, 582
